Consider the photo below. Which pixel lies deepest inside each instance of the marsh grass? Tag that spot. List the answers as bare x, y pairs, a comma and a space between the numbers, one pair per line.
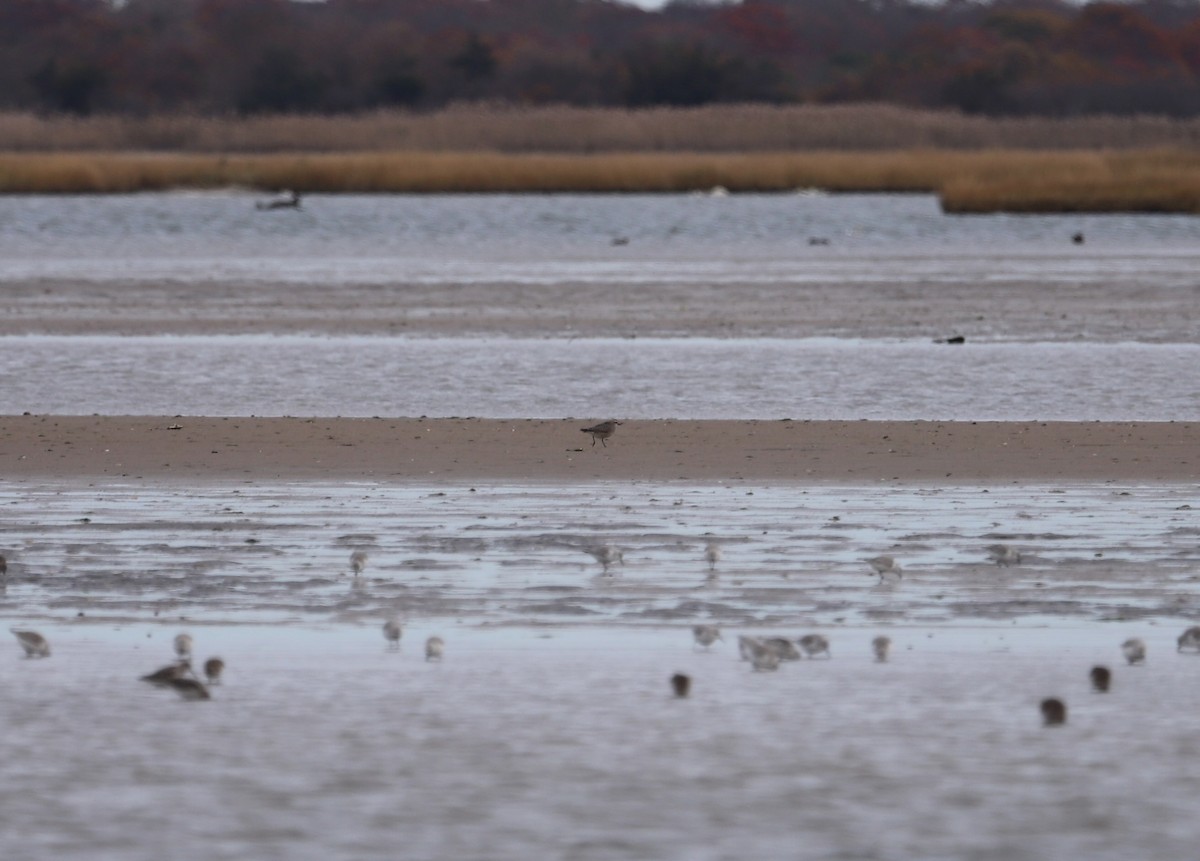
561, 129
1155, 180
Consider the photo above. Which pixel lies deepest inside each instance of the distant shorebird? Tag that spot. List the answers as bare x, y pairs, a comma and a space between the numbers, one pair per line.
164, 676
881, 646
1134, 651
602, 431
3, 566
1189, 639
762, 657
783, 648
886, 567
358, 561
33, 643
1101, 678
183, 645
392, 632
1054, 712
189, 689
712, 554
681, 685
1004, 555
813, 645
434, 647
706, 635
606, 555
292, 201
213, 668
746, 646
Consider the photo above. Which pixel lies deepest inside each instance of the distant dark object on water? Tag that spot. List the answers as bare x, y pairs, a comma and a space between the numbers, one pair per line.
681, 684
1077, 238
1101, 678
620, 240
818, 240
1054, 712
292, 201
953, 339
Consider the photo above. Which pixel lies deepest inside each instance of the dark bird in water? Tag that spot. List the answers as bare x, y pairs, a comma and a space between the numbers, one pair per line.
602, 431
164, 676
1101, 678
190, 689
681, 685
1054, 712
292, 201
1077, 238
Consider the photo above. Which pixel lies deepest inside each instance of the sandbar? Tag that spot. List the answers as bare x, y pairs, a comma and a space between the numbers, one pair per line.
41, 448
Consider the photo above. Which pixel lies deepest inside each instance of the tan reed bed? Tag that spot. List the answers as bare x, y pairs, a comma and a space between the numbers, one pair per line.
968, 181
501, 128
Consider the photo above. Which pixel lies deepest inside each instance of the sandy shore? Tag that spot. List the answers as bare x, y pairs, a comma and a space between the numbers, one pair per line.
469, 450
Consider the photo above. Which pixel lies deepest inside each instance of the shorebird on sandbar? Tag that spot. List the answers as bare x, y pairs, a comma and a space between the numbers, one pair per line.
602, 431
34, 644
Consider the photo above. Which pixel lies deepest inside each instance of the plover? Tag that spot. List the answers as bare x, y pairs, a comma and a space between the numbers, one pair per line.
886, 567
189, 689
1054, 712
746, 646
434, 647
762, 657
602, 431
34, 644
392, 632
1004, 555
1134, 651
881, 646
783, 647
813, 645
358, 561
165, 675
606, 555
1101, 678
1189, 639
213, 668
681, 685
183, 645
706, 635
712, 554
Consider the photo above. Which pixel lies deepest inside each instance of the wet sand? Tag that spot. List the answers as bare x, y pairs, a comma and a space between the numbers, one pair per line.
478, 450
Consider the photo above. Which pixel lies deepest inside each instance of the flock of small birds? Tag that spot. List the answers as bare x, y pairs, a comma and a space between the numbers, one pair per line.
766, 654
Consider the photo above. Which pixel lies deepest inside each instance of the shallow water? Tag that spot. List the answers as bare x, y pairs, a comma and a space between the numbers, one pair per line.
547, 731
698, 378
505, 554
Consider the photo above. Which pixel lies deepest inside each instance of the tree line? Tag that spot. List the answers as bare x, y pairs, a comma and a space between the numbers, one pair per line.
221, 57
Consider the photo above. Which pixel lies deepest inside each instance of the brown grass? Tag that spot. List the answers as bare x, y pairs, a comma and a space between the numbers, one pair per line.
1154, 180
499, 128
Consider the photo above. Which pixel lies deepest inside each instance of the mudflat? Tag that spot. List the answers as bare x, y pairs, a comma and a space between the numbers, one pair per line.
191, 448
